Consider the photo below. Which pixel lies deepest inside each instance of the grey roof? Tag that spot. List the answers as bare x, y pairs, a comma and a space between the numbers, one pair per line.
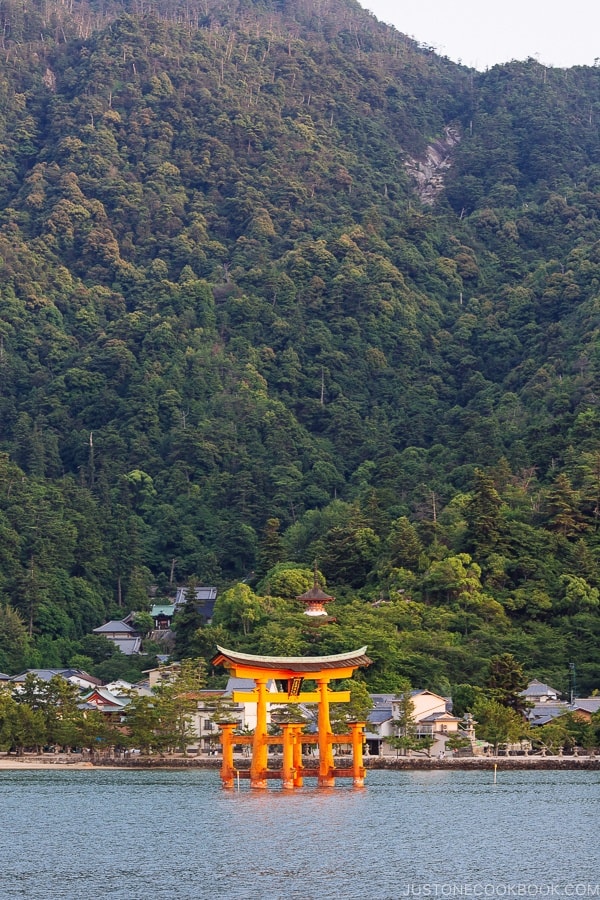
47, 674
379, 716
206, 597
382, 699
202, 593
537, 688
42, 674
589, 704
116, 627
545, 720
247, 684
128, 645
435, 716
542, 713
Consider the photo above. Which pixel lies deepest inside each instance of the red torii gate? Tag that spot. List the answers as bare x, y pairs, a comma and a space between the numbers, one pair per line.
292, 670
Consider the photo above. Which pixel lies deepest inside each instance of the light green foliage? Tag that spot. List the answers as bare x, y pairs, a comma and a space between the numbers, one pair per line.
239, 609
496, 723
578, 594
357, 710
289, 580
163, 721
553, 737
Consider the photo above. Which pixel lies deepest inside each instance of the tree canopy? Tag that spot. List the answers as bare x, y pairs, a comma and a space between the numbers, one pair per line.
243, 327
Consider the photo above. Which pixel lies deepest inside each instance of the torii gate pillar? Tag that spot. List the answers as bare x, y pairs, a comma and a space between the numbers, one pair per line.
326, 778
260, 747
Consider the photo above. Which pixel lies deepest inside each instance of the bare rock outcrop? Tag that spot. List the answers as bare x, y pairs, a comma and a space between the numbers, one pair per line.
429, 172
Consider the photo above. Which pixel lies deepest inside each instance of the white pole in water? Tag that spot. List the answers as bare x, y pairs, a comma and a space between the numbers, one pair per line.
495, 770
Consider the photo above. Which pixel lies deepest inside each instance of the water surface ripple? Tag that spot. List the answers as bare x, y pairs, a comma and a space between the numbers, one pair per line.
173, 835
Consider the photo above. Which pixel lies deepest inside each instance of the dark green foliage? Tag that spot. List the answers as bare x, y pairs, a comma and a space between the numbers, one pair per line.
506, 681
232, 335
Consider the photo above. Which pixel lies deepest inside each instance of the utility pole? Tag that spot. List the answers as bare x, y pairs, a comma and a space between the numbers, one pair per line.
572, 682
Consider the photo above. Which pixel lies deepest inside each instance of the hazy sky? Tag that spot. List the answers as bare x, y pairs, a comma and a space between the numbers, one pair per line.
483, 32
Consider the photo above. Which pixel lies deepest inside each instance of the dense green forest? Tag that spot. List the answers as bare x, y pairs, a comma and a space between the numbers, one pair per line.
237, 335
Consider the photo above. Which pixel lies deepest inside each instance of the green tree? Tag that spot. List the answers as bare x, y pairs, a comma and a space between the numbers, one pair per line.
464, 697
175, 701
563, 504
239, 609
187, 621
270, 548
404, 723
357, 710
27, 729
14, 641
497, 724
289, 580
506, 682
482, 514
403, 547
142, 719
553, 737
457, 742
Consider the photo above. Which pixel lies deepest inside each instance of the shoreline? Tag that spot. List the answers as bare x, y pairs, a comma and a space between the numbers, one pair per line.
473, 763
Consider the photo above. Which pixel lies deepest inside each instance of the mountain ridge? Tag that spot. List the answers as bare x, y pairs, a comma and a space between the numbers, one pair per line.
224, 305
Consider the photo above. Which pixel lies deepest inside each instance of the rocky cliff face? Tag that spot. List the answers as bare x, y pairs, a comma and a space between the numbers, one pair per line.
429, 172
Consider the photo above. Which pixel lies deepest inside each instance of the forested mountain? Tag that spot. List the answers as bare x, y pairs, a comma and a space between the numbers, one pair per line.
246, 320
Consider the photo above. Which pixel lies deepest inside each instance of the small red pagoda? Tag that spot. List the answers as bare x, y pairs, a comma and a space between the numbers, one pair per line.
315, 599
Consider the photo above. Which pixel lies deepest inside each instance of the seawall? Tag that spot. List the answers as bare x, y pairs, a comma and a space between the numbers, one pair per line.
399, 764
408, 763
488, 762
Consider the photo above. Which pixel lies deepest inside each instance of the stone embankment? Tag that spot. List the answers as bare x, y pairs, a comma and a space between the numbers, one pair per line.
485, 762
402, 763
166, 762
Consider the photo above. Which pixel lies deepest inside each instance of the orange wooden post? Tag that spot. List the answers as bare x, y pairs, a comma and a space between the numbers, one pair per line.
297, 755
326, 779
358, 770
227, 767
260, 748
287, 769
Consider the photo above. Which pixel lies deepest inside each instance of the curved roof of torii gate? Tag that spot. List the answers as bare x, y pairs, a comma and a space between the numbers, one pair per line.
303, 664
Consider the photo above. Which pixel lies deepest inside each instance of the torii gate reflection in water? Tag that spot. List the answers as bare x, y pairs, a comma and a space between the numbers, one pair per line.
292, 670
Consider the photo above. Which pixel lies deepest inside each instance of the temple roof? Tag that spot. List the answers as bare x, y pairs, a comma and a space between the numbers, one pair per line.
315, 597
315, 593
353, 658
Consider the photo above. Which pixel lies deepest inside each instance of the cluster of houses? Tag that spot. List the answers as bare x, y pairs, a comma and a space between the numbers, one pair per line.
432, 716
123, 633
112, 699
546, 705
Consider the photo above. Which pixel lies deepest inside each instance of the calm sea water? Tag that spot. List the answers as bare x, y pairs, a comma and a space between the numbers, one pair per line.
166, 835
